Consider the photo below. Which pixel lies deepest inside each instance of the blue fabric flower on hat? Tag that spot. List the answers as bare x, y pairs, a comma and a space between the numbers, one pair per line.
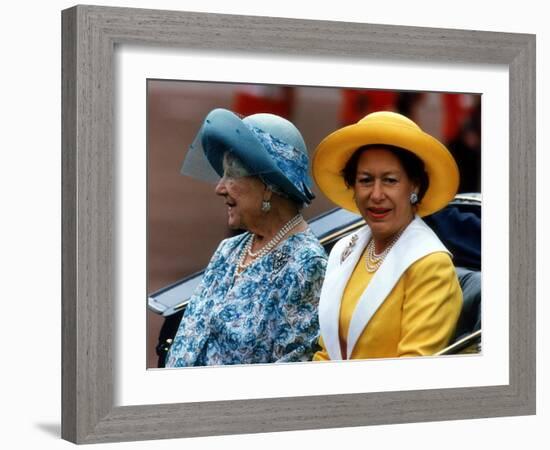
290, 160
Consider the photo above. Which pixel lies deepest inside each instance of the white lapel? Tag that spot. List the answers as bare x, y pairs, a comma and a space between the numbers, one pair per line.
417, 241
336, 279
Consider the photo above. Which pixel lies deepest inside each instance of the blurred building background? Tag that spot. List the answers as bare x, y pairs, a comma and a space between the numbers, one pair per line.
185, 219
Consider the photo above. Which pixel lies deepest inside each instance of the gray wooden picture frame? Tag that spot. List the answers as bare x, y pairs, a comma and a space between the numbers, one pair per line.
90, 35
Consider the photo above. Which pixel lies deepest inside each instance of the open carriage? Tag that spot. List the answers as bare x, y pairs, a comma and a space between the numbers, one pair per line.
458, 225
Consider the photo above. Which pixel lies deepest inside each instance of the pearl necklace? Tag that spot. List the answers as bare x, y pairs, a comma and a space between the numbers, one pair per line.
247, 250
374, 260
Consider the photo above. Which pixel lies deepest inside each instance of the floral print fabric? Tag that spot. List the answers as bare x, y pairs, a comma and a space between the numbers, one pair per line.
268, 314
292, 162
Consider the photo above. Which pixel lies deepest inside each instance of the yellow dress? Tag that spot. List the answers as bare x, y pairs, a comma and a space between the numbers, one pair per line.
417, 318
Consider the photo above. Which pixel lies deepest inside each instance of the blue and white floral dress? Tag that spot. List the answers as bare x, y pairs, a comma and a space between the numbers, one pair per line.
268, 314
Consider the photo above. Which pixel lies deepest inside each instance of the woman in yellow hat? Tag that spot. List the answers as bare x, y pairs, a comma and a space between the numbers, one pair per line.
390, 289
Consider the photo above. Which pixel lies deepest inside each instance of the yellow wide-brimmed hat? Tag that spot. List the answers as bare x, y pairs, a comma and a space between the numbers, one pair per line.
387, 128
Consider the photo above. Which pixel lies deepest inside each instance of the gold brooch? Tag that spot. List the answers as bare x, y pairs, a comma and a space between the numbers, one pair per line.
347, 251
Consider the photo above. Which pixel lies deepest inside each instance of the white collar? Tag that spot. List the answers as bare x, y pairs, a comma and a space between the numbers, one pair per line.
417, 241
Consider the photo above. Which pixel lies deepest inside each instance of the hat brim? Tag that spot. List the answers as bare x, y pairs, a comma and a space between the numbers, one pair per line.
224, 131
335, 150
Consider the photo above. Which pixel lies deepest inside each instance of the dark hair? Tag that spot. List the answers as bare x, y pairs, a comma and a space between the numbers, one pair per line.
412, 164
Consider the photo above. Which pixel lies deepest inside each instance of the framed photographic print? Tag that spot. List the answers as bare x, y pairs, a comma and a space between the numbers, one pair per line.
126, 75
185, 223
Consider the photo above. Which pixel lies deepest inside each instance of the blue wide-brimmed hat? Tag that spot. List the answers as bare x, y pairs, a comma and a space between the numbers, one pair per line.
268, 146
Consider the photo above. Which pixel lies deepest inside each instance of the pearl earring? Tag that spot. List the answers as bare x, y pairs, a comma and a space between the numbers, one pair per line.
266, 206
413, 198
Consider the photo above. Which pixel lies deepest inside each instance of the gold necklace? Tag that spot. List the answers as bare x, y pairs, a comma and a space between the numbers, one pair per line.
374, 260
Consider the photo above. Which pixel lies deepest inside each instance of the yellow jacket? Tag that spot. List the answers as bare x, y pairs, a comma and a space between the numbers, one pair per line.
416, 316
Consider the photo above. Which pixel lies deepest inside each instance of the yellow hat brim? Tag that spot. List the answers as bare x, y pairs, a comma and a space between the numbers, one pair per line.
335, 150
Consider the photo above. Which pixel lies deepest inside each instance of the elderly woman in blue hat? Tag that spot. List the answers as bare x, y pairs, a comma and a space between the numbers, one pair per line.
258, 298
